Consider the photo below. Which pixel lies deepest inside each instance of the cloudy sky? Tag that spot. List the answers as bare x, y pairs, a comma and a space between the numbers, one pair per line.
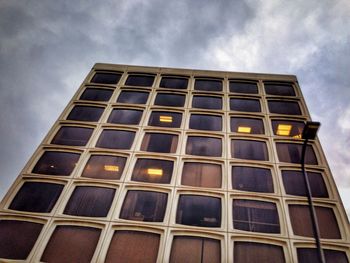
48, 47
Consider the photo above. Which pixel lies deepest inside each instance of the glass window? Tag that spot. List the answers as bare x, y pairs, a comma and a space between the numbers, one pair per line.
250, 150
247, 125
201, 175
205, 122
302, 226
139, 80
159, 142
71, 244
106, 78
196, 210
251, 252
96, 94
74, 136
294, 183
284, 107
133, 97
255, 216
204, 102
153, 171
125, 116
144, 206
104, 167
116, 139
243, 87
90, 201
291, 153
204, 146
17, 238
208, 84
165, 119
56, 163
144, 247
85, 113
249, 105
173, 82
171, 100
281, 89
36, 197
252, 179
307, 255
288, 128
195, 249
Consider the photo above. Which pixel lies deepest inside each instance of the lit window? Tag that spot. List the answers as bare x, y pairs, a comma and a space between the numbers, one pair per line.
247, 125
153, 171
139, 80
73, 136
173, 82
252, 252
165, 119
96, 94
104, 167
106, 78
249, 150
206, 102
208, 84
288, 128
85, 113
252, 179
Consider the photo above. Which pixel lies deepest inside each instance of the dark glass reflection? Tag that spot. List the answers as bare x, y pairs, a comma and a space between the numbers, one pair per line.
249, 105
173, 83
159, 142
243, 87
250, 150
204, 146
139, 80
281, 89
288, 128
291, 153
106, 78
247, 125
165, 119
116, 139
205, 122
104, 167
171, 100
307, 255
251, 252
252, 179
133, 97
85, 113
73, 136
201, 175
153, 171
125, 116
208, 85
96, 94
284, 107
204, 102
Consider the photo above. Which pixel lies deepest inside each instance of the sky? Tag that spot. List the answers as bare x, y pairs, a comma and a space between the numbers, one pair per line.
48, 47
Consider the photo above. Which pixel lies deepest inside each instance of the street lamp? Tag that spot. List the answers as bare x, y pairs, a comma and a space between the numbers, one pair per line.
309, 133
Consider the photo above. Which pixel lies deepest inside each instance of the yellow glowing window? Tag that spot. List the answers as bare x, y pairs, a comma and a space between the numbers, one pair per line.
284, 129
155, 172
111, 168
165, 118
244, 129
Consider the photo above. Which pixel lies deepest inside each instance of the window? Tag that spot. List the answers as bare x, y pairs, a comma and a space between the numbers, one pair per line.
196, 210
73, 136
208, 84
170, 100
173, 82
133, 97
85, 113
56, 163
294, 183
205, 122
252, 179
104, 167
249, 105
144, 206
306, 255
140, 80
284, 107
281, 89
251, 252
195, 249
302, 226
96, 94
159, 142
291, 153
17, 238
125, 116
250, 150
90, 201
201, 175
36, 197
165, 119
106, 78
243, 87
116, 139
204, 102
288, 128
255, 216
144, 247
247, 125
71, 244
204, 146
153, 171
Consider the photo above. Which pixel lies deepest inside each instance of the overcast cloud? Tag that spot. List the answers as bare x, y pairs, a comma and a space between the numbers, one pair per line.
48, 47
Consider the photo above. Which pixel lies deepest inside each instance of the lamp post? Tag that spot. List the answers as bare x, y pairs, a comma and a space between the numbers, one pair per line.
309, 133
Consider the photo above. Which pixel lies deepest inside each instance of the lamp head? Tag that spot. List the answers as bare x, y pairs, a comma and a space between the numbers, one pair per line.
310, 130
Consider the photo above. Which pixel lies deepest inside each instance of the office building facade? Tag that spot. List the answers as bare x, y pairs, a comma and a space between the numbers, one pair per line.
151, 164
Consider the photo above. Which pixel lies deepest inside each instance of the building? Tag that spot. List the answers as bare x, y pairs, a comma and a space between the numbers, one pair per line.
151, 164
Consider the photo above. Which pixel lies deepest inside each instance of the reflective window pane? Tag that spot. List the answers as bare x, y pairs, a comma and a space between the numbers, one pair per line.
85, 113
104, 167
281, 89
171, 100
205, 122
251, 252
208, 84
173, 82
247, 125
165, 119
288, 128
291, 153
125, 116
144, 206
252, 179
250, 150
106, 78
37, 197
196, 210
139, 80
201, 175
205, 102
73, 136
307, 255
284, 107
159, 142
56, 163
204, 146
96, 94
249, 105
153, 171
116, 139
243, 87
90, 201
133, 97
